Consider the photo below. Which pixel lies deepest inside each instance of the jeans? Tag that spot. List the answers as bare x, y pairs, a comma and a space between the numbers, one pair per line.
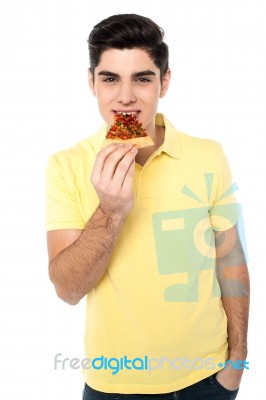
207, 389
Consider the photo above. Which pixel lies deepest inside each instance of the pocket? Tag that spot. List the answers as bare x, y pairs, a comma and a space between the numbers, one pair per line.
224, 389
93, 394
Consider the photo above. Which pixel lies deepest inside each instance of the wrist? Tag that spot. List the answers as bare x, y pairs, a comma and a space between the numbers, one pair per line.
116, 217
237, 354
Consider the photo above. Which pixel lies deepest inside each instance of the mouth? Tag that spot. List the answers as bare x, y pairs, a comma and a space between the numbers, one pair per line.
134, 113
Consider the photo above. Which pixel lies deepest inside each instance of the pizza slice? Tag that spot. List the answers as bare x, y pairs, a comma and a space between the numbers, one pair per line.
127, 129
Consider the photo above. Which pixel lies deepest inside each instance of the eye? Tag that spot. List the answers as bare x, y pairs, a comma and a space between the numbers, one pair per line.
110, 80
142, 80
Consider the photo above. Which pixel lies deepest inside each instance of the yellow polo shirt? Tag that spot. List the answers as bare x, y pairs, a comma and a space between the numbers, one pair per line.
155, 322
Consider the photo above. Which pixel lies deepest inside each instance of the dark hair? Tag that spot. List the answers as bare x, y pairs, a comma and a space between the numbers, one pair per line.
128, 31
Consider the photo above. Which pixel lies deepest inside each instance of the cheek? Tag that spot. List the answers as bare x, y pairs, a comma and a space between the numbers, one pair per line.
152, 98
147, 95
105, 96
154, 94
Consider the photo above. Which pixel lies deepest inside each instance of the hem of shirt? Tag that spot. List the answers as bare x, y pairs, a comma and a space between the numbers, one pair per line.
153, 389
66, 225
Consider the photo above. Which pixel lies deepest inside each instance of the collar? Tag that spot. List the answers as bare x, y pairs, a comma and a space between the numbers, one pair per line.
171, 144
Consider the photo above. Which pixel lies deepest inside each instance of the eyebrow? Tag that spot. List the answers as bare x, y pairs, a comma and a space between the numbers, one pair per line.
135, 75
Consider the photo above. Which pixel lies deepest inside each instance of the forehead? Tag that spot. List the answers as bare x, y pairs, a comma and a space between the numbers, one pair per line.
126, 60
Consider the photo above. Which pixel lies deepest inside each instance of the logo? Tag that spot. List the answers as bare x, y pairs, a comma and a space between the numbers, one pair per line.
185, 242
149, 364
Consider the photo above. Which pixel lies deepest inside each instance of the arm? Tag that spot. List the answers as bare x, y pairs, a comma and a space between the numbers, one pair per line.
233, 277
79, 258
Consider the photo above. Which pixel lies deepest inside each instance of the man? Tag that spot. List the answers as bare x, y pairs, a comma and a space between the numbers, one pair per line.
142, 233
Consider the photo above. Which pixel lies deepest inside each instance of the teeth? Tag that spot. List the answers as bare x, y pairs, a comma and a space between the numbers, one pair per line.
127, 113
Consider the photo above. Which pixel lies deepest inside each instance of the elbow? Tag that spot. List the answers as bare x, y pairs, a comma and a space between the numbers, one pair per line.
67, 297
63, 292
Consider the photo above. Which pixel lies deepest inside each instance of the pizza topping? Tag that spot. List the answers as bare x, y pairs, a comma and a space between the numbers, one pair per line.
126, 126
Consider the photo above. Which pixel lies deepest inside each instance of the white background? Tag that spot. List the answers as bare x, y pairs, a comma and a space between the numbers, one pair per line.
218, 90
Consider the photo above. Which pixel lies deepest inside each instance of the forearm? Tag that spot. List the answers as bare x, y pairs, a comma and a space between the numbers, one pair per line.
78, 268
236, 306
233, 277
235, 299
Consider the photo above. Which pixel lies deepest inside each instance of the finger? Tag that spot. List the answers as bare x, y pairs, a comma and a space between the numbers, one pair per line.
101, 157
127, 186
128, 179
122, 168
113, 161
102, 171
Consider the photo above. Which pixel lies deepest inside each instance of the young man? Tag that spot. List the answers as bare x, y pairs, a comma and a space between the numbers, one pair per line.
142, 232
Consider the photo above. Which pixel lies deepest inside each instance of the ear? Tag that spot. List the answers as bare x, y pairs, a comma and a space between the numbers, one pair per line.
91, 81
165, 83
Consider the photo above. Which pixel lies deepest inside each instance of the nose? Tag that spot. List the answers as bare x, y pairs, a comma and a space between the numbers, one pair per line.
126, 94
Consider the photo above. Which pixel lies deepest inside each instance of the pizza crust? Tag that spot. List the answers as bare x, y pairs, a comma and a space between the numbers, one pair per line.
140, 143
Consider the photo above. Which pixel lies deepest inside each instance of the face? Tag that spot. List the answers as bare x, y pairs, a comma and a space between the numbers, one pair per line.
128, 81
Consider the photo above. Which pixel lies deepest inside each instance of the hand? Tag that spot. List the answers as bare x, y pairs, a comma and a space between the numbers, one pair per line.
112, 178
229, 378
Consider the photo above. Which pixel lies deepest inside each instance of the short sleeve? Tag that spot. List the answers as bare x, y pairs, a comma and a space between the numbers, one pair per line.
62, 211
225, 211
